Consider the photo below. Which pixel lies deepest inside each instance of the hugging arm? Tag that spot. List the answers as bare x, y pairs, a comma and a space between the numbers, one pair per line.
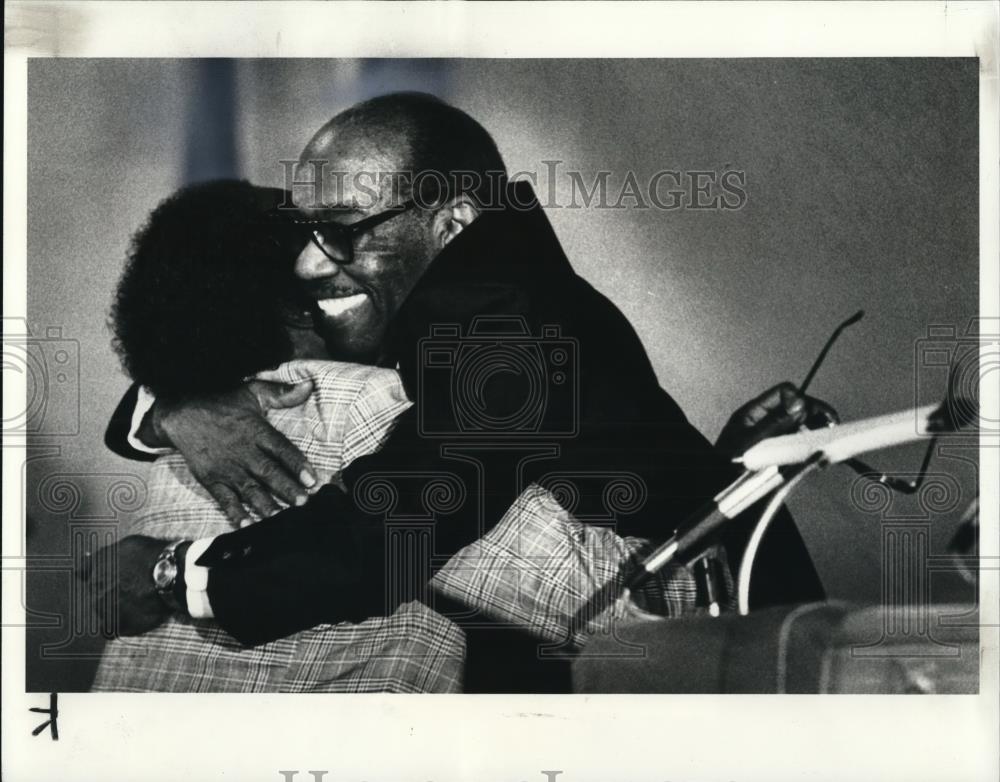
326, 561
227, 442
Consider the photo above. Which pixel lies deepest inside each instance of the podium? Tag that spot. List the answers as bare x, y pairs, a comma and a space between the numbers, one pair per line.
809, 648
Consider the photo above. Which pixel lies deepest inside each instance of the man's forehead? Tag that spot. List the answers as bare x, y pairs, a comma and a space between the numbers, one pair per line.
341, 182
350, 168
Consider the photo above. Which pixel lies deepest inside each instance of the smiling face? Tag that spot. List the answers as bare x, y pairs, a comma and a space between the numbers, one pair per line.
359, 286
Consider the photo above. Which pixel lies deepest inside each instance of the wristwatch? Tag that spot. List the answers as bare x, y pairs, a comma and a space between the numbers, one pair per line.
165, 572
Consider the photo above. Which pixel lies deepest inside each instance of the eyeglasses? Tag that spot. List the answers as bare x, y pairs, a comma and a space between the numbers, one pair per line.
896, 483
336, 240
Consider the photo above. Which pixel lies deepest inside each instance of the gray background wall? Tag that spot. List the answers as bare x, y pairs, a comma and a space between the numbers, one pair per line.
862, 193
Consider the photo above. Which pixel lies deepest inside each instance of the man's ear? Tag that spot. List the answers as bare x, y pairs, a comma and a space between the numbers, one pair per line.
453, 218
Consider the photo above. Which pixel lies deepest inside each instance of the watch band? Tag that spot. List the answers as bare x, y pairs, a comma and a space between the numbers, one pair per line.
165, 572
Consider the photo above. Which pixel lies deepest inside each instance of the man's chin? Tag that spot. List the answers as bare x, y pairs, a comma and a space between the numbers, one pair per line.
356, 342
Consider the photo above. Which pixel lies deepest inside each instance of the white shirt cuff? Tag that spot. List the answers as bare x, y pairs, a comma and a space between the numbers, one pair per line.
143, 404
196, 581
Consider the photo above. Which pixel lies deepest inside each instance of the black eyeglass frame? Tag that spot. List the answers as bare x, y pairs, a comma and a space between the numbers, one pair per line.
345, 233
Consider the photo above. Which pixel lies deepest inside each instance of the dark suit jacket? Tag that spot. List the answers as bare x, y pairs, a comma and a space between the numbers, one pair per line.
581, 411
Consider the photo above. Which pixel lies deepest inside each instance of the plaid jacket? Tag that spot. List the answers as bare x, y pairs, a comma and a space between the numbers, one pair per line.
537, 568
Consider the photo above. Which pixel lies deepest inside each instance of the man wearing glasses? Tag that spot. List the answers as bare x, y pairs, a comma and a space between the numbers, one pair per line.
388, 266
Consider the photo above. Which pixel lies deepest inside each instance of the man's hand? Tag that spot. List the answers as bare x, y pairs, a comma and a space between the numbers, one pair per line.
234, 452
139, 607
779, 410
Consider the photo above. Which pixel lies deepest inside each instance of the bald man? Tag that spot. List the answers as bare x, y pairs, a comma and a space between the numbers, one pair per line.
431, 274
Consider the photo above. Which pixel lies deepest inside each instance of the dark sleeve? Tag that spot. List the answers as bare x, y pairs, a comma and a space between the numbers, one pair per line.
116, 435
346, 557
302, 567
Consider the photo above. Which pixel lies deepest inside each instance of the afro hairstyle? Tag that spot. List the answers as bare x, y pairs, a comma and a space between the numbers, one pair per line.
208, 283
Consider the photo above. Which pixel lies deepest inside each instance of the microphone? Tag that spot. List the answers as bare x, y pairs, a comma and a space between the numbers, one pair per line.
726, 505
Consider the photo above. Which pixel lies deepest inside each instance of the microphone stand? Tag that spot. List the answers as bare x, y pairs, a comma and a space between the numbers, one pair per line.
751, 486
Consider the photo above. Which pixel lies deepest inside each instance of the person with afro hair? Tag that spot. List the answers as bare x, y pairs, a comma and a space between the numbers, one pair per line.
208, 299
208, 296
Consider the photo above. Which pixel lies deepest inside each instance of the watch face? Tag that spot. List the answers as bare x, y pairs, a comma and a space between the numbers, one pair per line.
164, 573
